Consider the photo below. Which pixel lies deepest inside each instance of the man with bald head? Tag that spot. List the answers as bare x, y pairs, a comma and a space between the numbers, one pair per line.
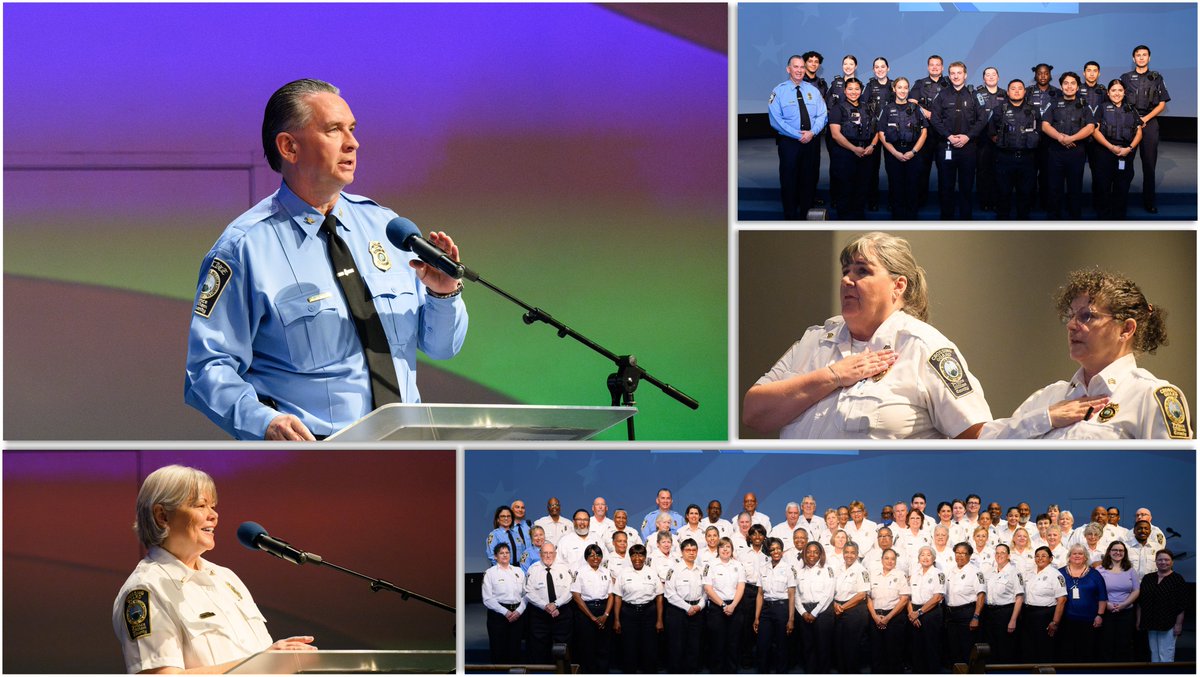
750, 505
555, 525
520, 527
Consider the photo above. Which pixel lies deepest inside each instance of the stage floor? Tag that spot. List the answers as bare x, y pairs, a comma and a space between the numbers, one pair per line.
758, 186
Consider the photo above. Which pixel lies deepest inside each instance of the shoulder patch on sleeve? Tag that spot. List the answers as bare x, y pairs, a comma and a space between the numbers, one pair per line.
1062, 581
866, 576
772, 99
704, 574
980, 576
1170, 405
215, 281
669, 572
830, 570
137, 613
941, 578
1021, 579
949, 368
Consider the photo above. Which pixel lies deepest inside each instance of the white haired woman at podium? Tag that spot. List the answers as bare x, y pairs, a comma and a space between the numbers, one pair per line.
178, 612
878, 370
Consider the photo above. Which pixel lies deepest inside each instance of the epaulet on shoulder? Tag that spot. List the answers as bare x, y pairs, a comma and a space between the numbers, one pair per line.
360, 199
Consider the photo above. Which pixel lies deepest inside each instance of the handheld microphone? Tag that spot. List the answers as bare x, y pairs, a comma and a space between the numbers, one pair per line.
404, 234
255, 537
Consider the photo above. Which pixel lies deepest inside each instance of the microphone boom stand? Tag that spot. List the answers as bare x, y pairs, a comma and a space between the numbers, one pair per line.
378, 584
622, 383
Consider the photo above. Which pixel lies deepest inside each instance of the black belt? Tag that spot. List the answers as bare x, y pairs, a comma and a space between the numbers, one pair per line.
775, 601
960, 606
727, 601
1015, 152
692, 602
1002, 606
596, 602
510, 607
903, 147
638, 607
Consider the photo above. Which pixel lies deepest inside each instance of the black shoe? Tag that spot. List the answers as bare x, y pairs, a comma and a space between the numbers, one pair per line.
1152, 209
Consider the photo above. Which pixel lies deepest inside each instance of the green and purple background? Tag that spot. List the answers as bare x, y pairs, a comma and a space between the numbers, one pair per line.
577, 153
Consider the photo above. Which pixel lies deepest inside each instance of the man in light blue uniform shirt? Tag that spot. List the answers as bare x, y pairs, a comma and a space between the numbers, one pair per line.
799, 154
273, 351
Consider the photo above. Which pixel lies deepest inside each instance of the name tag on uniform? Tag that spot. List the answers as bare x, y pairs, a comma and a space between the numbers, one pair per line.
1121, 165
1074, 593
949, 150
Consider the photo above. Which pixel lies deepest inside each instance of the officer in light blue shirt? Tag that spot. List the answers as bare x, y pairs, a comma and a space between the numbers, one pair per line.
799, 152
273, 351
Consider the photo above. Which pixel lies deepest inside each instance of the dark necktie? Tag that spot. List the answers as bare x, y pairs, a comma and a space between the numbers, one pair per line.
512, 545
805, 121
550, 585
385, 388
520, 534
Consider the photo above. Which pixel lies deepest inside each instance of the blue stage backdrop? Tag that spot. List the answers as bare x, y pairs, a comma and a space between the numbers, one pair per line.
1013, 37
1163, 481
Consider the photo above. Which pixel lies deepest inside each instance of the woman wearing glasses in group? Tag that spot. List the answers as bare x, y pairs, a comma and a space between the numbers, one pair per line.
1108, 322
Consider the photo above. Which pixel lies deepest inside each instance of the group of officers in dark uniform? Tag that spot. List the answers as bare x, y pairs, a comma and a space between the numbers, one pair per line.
1032, 140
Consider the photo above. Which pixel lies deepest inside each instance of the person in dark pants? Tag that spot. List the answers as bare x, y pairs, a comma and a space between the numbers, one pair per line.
925, 91
592, 590
886, 606
1042, 94
1045, 599
928, 585
548, 604
725, 586
683, 590
1144, 89
853, 132
1121, 583
1118, 134
850, 611
773, 609
1005, 597
903, 131
1068, 124
504, 596
1087, 603
958, 119
989, 96
639, 612
812, 64
798, 114
835, 93
1014, 130
814, 609
1094, 94
966, 592
879, 91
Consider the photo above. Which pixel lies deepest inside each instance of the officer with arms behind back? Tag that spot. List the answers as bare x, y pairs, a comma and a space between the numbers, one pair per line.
283, 348
797, 111
1014, 129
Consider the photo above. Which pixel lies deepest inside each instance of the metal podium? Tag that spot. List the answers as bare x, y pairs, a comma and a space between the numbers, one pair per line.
340, 662
480, 422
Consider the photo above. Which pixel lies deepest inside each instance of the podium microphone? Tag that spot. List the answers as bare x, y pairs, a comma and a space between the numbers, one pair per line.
405, 235
255, 537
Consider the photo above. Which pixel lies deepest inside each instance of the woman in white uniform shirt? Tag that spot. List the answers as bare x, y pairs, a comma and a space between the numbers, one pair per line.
691, 527
943, 549
887, 603
1108, 322
774, 608
1022, 553
985, 555
928, 586
875, 371
178, 612
814, 609
710, 551
638, 612
504, 597
592, 591
1045, 600
1005, 597
850, 611
725, 585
